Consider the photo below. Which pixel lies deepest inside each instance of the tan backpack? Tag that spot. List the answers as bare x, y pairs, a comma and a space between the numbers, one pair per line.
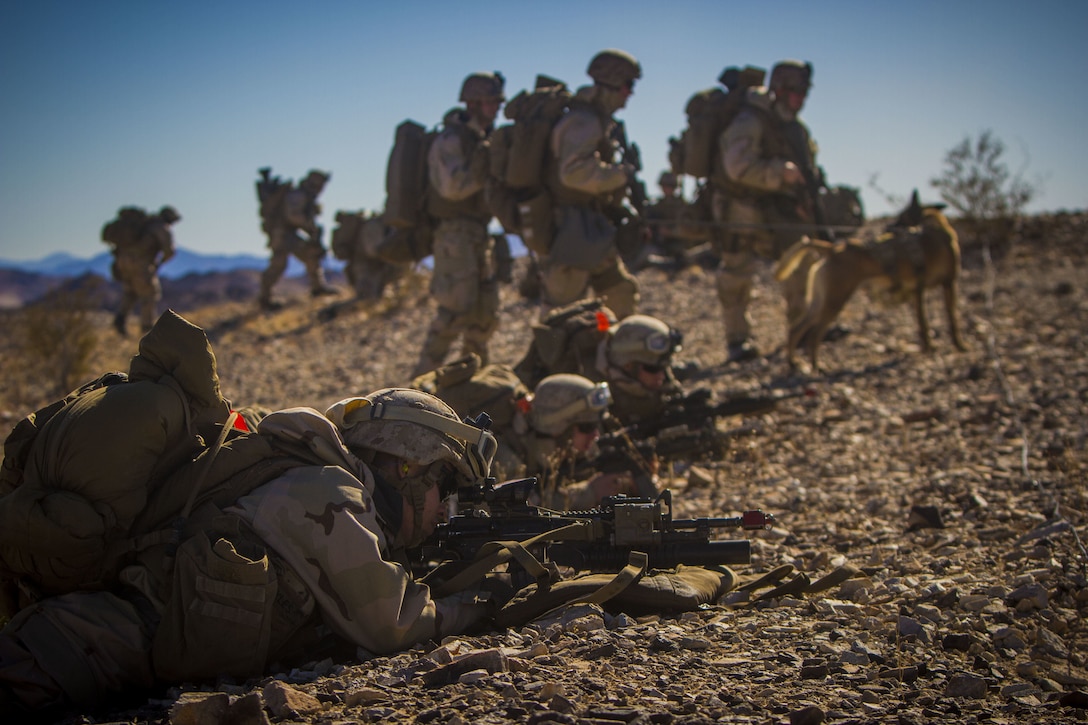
519, 150
708, 113
90, 480
406, 176
471, 388
127, 228
566, 341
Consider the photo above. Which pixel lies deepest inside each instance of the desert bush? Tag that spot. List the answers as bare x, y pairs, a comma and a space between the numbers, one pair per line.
976, 182
59, 337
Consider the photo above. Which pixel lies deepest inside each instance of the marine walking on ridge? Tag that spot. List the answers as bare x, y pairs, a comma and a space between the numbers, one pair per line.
289, 218
141, 244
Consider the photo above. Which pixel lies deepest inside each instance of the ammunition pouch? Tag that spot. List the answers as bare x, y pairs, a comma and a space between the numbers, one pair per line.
218, 618
584, 238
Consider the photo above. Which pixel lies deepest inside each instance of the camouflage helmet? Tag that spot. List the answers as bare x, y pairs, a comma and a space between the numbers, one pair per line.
563, 400
614, 68
416, 427
642, 339
667, 178
483, 86
794, 74
169, 214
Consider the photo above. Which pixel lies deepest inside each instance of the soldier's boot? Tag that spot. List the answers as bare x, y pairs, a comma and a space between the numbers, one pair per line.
269, 305
119, 324
147, 320
318, 286
742, 351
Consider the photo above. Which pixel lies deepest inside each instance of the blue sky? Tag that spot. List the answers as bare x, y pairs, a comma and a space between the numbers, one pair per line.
113, 102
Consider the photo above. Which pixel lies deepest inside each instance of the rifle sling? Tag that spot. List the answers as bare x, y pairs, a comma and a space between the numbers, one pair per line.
495, 553
625, 577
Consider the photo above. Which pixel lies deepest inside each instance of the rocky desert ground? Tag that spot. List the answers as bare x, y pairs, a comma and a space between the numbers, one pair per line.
952, 486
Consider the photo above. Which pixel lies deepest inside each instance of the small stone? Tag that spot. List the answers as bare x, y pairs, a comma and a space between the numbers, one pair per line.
814, 672
248, 710
958, 642
1075, 699
472, 676
199, 708
1029, 597
284, 701
811, 715
1049, 644
924, 517
968, 686
365, 696
489, 660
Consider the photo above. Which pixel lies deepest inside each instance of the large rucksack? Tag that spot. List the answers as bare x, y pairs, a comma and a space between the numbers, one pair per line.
347, 234
519, 150
370, 234
708, 113
271, 193
91, 480
566, 341
406, 175
471, 388
126, 229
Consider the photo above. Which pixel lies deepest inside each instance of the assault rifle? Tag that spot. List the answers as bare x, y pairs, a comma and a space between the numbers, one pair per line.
695, 410
684, 431
599, 539
630, 154
618, 452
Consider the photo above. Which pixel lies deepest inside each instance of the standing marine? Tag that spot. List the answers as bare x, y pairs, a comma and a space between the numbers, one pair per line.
465, 282
295, 211
137, 257
770, 195
589, 186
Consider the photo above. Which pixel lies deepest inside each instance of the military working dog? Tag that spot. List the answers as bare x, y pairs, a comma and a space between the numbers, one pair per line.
918, 250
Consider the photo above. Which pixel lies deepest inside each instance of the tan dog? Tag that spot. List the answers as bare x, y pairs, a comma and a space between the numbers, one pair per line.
791, 271
919, 250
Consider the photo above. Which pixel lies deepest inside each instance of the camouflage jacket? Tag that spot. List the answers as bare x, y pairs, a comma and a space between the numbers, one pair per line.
754, 155
454, 170
581, 167
300, 211
323, 521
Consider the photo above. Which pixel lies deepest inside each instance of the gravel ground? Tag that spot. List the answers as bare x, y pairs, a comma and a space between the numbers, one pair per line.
952, 485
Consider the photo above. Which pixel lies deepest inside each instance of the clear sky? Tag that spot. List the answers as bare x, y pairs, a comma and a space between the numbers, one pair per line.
113, 102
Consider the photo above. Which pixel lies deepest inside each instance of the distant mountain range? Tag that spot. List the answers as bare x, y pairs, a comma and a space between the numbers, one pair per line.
189, 279
185, 262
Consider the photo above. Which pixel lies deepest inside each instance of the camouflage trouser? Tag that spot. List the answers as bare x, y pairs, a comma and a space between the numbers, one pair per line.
284, 242
466, 290
743, 250
737, 266
562, 284
77, 649
139, 286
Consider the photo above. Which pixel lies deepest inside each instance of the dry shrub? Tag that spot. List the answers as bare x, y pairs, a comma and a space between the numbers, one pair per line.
58, 337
